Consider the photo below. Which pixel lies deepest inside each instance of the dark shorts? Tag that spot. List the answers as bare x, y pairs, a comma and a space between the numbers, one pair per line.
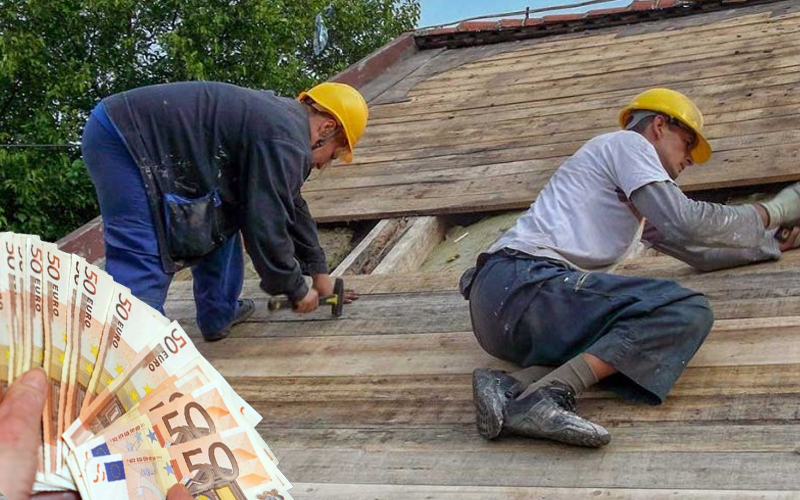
534, 311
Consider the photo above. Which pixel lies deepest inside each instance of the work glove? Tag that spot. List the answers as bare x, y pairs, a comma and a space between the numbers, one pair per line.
784, 208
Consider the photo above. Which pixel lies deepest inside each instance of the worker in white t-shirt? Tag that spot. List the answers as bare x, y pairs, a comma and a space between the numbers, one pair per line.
541, 296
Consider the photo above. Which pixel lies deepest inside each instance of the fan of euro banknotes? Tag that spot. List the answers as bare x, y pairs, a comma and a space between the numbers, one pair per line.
132, 407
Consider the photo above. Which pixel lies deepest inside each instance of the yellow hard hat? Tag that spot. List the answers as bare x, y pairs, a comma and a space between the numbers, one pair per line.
675, 105
347, 105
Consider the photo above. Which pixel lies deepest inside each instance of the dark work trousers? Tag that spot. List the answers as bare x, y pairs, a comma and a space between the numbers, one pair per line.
132, 254
533, 311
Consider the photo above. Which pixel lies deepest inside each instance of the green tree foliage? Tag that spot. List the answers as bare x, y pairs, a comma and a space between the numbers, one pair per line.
59, 58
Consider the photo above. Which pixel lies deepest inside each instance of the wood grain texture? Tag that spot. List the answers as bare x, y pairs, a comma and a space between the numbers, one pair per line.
413, 248
322, 491
377, 405
370, 251
483, 128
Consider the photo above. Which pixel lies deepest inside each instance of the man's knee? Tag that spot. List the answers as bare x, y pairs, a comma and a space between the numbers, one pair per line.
698, 315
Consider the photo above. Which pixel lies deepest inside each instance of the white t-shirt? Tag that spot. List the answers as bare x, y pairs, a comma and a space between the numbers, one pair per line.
584, 215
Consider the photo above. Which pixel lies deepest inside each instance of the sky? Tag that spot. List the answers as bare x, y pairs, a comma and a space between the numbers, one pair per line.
446, 11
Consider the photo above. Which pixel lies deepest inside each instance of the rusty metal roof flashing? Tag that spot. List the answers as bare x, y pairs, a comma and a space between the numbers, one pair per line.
471, 33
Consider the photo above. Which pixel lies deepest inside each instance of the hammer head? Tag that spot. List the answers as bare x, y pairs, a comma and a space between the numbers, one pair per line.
338, 291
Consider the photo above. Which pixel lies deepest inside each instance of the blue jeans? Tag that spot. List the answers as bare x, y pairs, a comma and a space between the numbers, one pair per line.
132, 253
537, 312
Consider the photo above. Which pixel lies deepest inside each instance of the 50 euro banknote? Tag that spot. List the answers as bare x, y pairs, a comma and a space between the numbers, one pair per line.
208, 410
162, 358
228, 465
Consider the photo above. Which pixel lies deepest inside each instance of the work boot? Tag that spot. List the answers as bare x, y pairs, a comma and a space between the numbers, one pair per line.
491, 391
244, 309
549, 413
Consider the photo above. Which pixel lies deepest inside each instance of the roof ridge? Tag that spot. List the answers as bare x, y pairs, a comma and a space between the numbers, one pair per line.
473, 32
526, 12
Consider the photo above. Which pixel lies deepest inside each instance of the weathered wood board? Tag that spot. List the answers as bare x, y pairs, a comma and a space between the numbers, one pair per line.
378, 404
482, 128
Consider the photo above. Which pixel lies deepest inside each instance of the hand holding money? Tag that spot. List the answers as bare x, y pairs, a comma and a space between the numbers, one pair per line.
119, 401
19, 434
19, 439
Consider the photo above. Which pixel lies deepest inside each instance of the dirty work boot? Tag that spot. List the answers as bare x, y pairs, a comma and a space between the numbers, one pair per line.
244, 310
549, 413
491, 392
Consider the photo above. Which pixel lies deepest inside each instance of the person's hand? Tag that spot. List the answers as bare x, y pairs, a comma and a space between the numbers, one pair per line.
350, 295
309, 303
323, 284
20, 424
178, 492
789, 238
784, 208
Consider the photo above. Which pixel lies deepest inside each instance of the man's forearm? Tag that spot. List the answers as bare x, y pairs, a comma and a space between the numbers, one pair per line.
306, 240
711, 259
681, 221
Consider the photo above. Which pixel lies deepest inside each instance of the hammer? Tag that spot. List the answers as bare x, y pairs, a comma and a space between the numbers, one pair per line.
336, 301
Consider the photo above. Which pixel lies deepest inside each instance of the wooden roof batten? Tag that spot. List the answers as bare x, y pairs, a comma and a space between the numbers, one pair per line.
377, 404
401, 60
449, 126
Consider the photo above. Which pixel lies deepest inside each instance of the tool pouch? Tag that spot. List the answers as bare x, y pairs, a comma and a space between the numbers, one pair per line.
193, 225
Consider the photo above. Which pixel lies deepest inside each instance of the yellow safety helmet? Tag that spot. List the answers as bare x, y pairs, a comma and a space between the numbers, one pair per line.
347, 105
675, 105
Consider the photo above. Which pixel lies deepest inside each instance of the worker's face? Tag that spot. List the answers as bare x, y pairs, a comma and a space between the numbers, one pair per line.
328, 143
674, 143
329, 151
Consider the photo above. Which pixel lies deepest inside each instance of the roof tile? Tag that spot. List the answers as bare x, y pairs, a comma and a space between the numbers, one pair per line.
643, 5
532, 21
511, 23
477, 26
603, 12
560, 18
439, 31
